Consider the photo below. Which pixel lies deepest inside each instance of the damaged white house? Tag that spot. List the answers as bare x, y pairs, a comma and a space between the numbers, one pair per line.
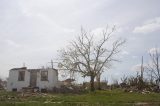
20, 78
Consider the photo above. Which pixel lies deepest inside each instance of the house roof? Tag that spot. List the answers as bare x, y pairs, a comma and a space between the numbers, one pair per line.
24, 68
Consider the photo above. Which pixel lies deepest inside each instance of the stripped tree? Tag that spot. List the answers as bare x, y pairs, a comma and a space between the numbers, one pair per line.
154, 65
88, 56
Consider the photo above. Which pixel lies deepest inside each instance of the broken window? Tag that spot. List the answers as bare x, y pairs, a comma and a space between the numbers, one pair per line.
21, 75
44, 75
14, 89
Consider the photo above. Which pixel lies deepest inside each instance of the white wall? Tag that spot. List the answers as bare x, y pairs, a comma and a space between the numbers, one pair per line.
14, 83
52, 80
13, 80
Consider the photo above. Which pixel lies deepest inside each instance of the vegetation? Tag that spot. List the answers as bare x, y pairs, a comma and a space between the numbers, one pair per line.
153, 67
88, 56
97, 98
3, 84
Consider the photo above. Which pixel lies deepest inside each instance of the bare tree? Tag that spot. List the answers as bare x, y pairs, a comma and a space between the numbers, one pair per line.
153, 67
123, 83
88, 56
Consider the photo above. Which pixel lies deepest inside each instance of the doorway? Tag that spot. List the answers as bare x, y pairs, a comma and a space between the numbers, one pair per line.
33, 79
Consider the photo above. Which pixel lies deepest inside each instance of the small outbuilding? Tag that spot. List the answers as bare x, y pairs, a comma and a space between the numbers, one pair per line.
43, 79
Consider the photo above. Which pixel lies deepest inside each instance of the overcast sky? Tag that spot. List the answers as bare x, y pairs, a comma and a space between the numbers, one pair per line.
31, 31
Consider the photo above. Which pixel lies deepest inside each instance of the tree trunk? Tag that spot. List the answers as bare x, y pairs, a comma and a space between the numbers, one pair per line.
92, 83
98, 77
99, 85
158, 83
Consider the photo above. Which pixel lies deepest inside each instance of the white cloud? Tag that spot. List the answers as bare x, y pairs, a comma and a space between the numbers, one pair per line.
108, 28
134, 57
67, 30
125, 53
136, 67
149, 26
154, 50
12, 43
98, 31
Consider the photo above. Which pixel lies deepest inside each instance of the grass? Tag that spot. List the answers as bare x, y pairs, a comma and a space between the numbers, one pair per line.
97, 98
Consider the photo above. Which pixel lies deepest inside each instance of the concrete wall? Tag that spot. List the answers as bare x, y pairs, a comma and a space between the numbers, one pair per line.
14, 83
52, 80
13, 80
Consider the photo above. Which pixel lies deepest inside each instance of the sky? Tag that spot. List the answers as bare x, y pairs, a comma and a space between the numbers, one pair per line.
32, 31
